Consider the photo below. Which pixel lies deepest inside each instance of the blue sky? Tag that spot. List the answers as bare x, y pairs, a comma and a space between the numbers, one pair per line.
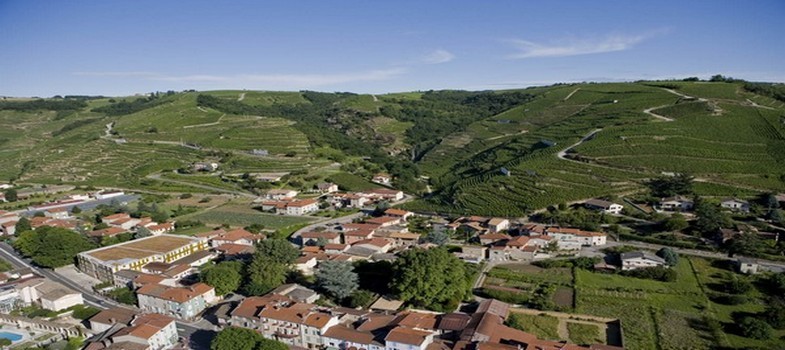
125, 47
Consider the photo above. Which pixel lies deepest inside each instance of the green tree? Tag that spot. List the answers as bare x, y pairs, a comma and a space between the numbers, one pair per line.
439, 237
76, 210
277, 250
775, 313
669, 256
710, 218
265, 275
746, 244
360, 298
269, 344
255, 228
429, 278
225, 277
52, 246
23, 225
11, 195
234, 338
754, 328
675, 222
667, 186
337, 278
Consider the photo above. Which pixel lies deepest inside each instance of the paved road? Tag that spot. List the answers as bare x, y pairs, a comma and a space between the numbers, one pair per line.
201, 335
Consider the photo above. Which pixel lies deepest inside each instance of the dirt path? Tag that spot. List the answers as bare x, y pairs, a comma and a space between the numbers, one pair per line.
655, 115
242, 97
570, 95
205, 124
374, 98
508, 135
753, 104
563, 153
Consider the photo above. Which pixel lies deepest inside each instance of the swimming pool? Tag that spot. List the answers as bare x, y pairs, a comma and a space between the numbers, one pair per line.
11, 336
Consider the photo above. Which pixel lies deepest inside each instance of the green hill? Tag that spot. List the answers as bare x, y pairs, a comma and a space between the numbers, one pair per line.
729, 135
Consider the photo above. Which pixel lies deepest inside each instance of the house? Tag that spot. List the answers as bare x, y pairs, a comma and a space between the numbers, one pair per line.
181, 302
735, 205
278, 194
302, 207
335, 248
676, 203
496, 225
405, 338
327, 187
313, 238
236, 236
565, 236
404, 239
603, 206
57, 213
159, 229
398, 213
504, 171
747, 265
306, 264
343, 337
108, 194
382, 178
205, 166
640, 259
379, 245
278, 317
473, 254
54, 296
8, 228
119, 328
383, 194
492, 238
384, 221
107, 232
297, 293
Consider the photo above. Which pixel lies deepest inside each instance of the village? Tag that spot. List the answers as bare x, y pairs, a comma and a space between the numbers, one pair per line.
160, 269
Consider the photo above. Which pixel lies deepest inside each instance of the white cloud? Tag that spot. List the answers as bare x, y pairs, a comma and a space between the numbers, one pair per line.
292, 80
575, 47
438, 56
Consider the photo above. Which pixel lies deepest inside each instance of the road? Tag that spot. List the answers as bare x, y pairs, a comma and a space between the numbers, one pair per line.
8, 253
340, 220
655, 115
563, 153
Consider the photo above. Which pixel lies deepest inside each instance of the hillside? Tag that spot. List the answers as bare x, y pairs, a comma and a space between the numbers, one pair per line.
728, 137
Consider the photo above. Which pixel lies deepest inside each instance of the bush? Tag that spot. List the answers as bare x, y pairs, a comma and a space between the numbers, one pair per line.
658, 273
728, 299
186, 196
754, 328
738, 286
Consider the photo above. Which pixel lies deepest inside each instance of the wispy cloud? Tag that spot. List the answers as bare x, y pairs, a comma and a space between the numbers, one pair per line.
438, 56
294, 80
577, 46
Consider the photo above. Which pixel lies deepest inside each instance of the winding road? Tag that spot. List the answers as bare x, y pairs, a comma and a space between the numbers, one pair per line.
563, 153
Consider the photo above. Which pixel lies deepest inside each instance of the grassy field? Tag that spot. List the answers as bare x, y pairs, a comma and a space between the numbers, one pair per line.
543, 326
653, 314
242, 215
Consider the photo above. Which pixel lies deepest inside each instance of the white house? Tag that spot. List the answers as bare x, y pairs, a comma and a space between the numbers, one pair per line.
278, 194
498, 224
56, 297
640, 259
604, 206
302, 207
405, 338
382, 178
747, 265
735, 205
677, 203
327, 187
108, 194
180, 302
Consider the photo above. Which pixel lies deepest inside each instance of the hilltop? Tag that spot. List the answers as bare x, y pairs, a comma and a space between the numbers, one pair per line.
491, 152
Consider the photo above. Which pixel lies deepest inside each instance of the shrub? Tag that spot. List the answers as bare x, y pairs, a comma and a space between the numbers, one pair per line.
658, 273
754, 328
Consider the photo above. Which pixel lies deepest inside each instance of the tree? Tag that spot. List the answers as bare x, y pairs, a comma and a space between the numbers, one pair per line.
225, 277
670, 257
429, 278
265, 275
746, 244
52, 246
255, 228
321, 241
23, 225
709, 218
142, 232
775, 313
667, 186
360, 298
675, 222
738, 285
438, 237
269, 344
277, 250
234, 338
11, 195
337, 278
754, 328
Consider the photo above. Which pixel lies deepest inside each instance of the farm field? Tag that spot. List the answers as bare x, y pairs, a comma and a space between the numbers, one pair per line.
653, 314
238, 215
